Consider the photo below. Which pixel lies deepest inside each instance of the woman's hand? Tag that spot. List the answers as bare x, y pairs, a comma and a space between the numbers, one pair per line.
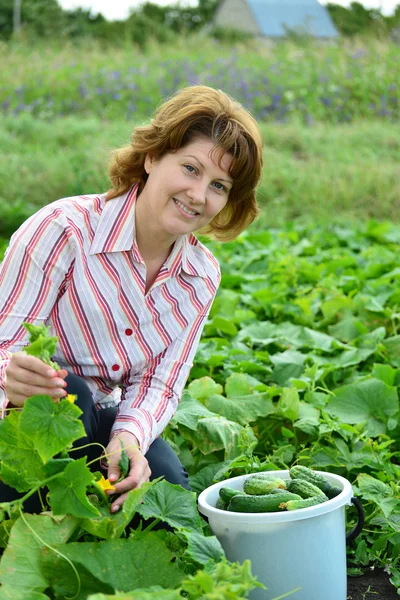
139, 470
27, 376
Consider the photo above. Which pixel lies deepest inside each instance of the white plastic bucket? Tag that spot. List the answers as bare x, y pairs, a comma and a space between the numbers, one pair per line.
302, 550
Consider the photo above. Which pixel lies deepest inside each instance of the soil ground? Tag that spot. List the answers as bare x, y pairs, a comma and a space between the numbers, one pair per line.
373, 585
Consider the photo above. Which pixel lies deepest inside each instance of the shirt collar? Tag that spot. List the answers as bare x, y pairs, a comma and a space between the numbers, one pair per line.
115, 232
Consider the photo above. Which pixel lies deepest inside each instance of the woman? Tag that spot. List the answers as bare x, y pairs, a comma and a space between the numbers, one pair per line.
125, 285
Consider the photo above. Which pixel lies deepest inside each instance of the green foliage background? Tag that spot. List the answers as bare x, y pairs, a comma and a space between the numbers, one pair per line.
46, 18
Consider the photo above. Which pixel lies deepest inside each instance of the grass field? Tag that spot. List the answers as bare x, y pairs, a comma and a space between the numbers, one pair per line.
348, 170
336, 82
327, 112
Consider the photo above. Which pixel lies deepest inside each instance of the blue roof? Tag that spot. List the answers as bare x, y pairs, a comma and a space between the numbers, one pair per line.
275, 17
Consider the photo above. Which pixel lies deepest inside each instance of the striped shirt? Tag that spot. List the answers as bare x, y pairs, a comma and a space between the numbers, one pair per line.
75, 266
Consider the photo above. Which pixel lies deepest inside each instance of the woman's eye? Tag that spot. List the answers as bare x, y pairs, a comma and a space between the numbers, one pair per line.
219, 186
190, 168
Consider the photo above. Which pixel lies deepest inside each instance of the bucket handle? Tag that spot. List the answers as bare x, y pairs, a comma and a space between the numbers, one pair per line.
359, 525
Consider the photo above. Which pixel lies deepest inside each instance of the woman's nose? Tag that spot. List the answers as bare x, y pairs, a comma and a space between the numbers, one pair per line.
198, 192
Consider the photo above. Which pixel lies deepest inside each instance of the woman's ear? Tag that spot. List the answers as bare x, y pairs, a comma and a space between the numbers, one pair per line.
148, 163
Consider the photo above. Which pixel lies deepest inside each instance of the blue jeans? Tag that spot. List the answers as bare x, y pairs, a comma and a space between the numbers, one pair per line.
97, 423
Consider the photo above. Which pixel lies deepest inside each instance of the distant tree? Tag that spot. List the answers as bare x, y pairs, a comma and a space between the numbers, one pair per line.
161, 21
44, 18
17, 15
206, 10
83, 23
357, 19
6, 19
41, 18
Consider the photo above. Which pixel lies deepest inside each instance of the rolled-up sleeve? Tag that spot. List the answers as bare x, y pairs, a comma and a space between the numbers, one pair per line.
151, 396
32, 276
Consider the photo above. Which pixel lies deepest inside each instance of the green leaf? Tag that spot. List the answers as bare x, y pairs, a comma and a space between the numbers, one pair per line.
68, 491
112, 525
205, 476
348, 329
215, 433
308, 418
189, 412
20, 566
123, 462
56, 465
152, 593
222, 581
237, 384
244, 316
52, 426
112, 565
370, 400
286, 365
225, 303
219, 325
37, 331
42, 345
352, 357
10, 593
18, 455
377, 491
335, 306
243, 409
385, 373
372, 488
173, 505
309, 338
289, 403
264, 333
392, 350
200, 389
201, 548
287, 433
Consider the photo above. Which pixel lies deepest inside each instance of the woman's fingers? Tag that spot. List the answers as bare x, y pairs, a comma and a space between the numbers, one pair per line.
32, 363
139, 470
139, 473
137, 476
29, 376
115, 506
26, 391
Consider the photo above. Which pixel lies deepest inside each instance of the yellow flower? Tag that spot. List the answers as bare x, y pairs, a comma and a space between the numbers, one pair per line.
71, 398
105, 484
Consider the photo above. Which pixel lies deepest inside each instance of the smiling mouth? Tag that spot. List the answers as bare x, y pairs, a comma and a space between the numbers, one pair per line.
185, 209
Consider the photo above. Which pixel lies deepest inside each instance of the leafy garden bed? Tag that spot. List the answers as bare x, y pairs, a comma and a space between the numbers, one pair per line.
299, 363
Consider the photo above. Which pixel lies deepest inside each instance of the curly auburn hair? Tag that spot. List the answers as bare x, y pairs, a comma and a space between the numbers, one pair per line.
193, 112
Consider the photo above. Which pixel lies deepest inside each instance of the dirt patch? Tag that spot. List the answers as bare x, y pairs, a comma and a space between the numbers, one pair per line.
373, 585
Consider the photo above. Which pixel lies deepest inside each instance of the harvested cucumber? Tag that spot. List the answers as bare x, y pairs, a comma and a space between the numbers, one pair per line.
304, 502
221, 504
262, 503
263, 483
227, 493
333, 491
279, 491
305, 489
300, 472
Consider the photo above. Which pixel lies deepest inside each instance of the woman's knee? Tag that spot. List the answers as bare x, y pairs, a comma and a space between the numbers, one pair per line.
90, 415
163, 462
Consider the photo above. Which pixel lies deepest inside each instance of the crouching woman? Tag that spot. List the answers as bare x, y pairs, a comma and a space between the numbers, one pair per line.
126, 286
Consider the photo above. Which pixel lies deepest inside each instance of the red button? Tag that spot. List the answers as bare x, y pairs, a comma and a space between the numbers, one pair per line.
128, 331
115, 367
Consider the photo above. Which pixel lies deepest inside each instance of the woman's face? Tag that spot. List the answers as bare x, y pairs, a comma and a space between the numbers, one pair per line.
186, 189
